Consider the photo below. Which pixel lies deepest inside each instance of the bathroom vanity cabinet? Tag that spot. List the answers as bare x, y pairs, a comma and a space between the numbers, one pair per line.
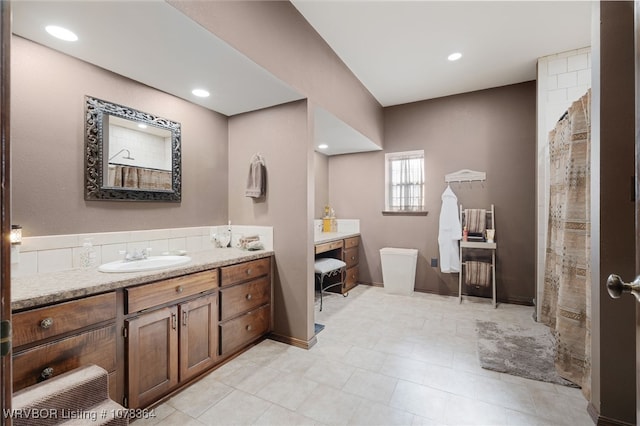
245, 304
51, 340
171, 334
351, 258
153, 337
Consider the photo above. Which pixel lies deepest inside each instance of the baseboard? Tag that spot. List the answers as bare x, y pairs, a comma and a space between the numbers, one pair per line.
304, 344
593, 412
513, 301
524, 302
602, 420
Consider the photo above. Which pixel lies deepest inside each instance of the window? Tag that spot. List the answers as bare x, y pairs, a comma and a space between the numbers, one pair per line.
404, 181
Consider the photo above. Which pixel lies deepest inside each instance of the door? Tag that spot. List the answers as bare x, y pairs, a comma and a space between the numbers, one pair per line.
152, 355
5, 207
198, 335
615, 284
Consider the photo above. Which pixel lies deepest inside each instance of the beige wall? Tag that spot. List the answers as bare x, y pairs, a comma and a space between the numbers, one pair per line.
491, 131
47, 125
278, 38
282, 135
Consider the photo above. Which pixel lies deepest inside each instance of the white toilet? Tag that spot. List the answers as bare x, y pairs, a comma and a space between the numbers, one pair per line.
398, 270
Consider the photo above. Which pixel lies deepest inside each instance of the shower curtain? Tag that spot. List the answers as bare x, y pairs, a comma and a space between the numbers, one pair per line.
138, 178
566, 303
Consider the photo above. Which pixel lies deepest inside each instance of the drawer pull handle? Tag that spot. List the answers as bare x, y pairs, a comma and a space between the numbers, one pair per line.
248, 327
249, 271
47, 373
353, 258
46, 323
248, 296
179, 289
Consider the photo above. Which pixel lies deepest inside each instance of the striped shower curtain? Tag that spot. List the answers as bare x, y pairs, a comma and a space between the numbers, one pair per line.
566, 300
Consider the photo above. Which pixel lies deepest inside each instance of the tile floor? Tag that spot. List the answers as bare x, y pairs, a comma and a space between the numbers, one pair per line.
381, 360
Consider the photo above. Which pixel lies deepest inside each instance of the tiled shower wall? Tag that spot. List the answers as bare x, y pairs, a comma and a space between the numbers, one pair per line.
62, 252
146, 149
562, 79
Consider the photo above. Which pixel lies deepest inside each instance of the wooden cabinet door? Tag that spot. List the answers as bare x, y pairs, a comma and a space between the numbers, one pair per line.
198, 335
152, 355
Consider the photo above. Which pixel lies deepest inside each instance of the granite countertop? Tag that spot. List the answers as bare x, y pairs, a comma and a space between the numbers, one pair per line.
325, 237
42, 289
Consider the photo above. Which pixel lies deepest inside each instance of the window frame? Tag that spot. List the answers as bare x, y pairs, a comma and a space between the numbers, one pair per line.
389, 209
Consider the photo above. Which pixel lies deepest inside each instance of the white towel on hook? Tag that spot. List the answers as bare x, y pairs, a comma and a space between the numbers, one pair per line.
257, 179
449, 233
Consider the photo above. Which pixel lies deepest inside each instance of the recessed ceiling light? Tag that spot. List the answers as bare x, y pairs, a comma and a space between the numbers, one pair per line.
201, 93
454, 56
142, 125
323, 146
61, 33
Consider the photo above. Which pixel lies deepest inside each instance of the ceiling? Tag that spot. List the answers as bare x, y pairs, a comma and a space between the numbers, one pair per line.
155, 44
397, 49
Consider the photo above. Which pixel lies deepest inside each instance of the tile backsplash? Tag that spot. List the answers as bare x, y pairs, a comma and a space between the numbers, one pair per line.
62, 252
344, 225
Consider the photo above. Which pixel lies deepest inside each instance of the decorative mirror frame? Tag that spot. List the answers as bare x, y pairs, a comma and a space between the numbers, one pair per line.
95, 189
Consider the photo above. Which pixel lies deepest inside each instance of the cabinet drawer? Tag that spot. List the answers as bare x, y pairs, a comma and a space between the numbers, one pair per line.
243, 297
353, 275
351, 242
324, 247
37, 324
351, 256
52, 359
166, 291
244, 271
239, 331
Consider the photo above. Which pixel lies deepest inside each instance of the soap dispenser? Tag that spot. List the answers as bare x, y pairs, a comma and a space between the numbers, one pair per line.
87, 254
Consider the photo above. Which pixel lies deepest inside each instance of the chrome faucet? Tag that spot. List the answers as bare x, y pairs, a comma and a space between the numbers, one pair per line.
136, 255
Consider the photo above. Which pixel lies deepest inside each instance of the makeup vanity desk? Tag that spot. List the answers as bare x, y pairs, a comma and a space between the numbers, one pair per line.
344, 246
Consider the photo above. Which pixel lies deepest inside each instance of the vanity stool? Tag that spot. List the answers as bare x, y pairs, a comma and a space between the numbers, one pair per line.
328, 267
79, 396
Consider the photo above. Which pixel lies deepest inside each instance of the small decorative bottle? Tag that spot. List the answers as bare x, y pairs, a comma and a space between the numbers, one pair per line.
87, 254
465, 234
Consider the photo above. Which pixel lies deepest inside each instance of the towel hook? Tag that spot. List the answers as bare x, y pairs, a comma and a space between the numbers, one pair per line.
257, 157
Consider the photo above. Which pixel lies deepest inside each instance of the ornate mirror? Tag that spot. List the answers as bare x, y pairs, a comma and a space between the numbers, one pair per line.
130, 155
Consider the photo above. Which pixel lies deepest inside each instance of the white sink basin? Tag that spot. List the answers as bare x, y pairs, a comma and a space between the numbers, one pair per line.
151, 263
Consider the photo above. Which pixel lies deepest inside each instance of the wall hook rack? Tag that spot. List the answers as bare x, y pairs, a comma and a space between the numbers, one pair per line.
465, 175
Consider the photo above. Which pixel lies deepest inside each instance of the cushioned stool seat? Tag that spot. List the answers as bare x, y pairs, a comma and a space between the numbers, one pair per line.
77, 397
327, 267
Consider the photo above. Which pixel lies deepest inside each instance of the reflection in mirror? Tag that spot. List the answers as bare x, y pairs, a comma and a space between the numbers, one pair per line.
150, 169
130, 155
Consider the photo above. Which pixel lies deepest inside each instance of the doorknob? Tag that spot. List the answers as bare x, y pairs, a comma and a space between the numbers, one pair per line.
616, 287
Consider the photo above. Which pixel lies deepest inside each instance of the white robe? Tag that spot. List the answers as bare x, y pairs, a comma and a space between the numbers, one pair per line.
450, 232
